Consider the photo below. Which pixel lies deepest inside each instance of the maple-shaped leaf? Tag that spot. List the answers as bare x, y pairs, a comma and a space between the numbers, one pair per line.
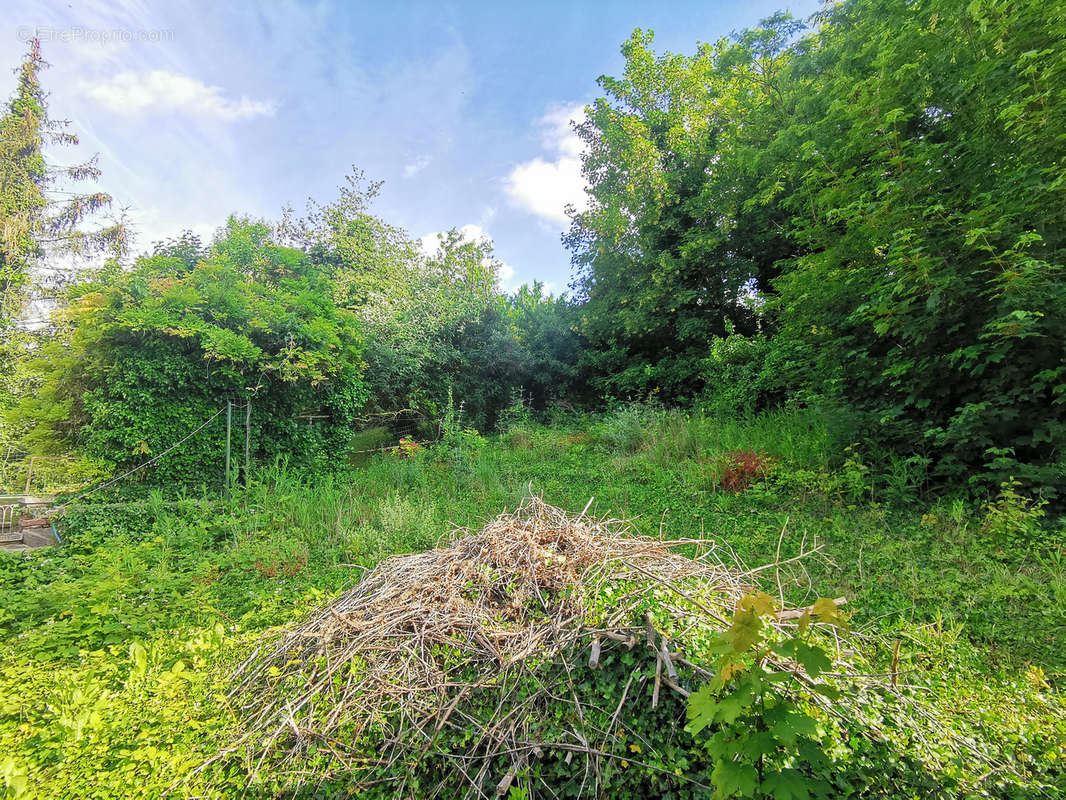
731, 778
826, 609
759, 602
791, 725
702, 705
729, 669
730, 707
786, 784
758, 744
811, 657
745, 630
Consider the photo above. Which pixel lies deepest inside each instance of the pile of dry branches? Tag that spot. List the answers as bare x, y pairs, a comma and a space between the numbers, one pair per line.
400, 656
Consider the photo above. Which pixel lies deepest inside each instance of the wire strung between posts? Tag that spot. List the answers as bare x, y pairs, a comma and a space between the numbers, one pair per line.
392, 448
149, 462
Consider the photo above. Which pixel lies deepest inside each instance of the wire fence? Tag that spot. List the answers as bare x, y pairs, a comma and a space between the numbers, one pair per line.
146, 464
396, 431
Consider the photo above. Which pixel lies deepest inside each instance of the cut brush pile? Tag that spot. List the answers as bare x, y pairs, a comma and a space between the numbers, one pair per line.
464, 670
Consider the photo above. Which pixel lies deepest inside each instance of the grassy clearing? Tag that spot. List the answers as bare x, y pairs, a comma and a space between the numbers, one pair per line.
116, 645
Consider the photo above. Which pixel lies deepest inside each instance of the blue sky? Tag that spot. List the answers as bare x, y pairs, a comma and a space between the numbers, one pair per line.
199, 109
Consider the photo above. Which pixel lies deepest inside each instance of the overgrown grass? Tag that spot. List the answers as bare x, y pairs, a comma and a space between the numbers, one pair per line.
116, 645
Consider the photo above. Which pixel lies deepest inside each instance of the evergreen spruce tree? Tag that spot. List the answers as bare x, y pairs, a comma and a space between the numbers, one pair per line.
41, 216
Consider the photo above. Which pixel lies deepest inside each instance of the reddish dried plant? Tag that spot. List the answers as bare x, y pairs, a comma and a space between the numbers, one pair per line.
407, 448
742, 468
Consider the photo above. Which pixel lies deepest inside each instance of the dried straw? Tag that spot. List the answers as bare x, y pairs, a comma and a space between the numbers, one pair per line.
398, 657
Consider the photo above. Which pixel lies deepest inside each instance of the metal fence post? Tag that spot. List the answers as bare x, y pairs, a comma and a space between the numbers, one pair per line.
247, 442
229, 426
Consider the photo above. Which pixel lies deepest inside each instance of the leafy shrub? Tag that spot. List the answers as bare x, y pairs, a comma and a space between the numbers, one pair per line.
1012, 519
458, 444
628, 427
145, 355
765, 742
853, 476
741, 376
899, 242
407, 448
517, 420
519, 413
54, 475
545, 346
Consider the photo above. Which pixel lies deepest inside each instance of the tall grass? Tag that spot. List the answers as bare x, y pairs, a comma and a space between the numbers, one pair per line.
798, 437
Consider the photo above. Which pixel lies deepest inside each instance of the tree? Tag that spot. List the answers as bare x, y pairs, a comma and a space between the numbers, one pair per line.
143, 355
435, 321
414, 306
441, 330
548, 348
883, 198
186, 248
927, 191
674, 247
40, 215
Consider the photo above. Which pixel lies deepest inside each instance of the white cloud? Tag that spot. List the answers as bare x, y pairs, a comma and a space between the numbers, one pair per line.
416, 166
507, 276
557, 132
545, 187
430, 243
134, 92
474, 233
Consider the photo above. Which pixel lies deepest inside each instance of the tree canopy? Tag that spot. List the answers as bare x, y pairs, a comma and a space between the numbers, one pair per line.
882, 195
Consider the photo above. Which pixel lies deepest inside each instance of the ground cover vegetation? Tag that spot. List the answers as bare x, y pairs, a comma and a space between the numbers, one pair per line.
769, 507
120, 644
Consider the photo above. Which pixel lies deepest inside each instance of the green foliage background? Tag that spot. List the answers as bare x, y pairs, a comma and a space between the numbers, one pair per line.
881, 196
